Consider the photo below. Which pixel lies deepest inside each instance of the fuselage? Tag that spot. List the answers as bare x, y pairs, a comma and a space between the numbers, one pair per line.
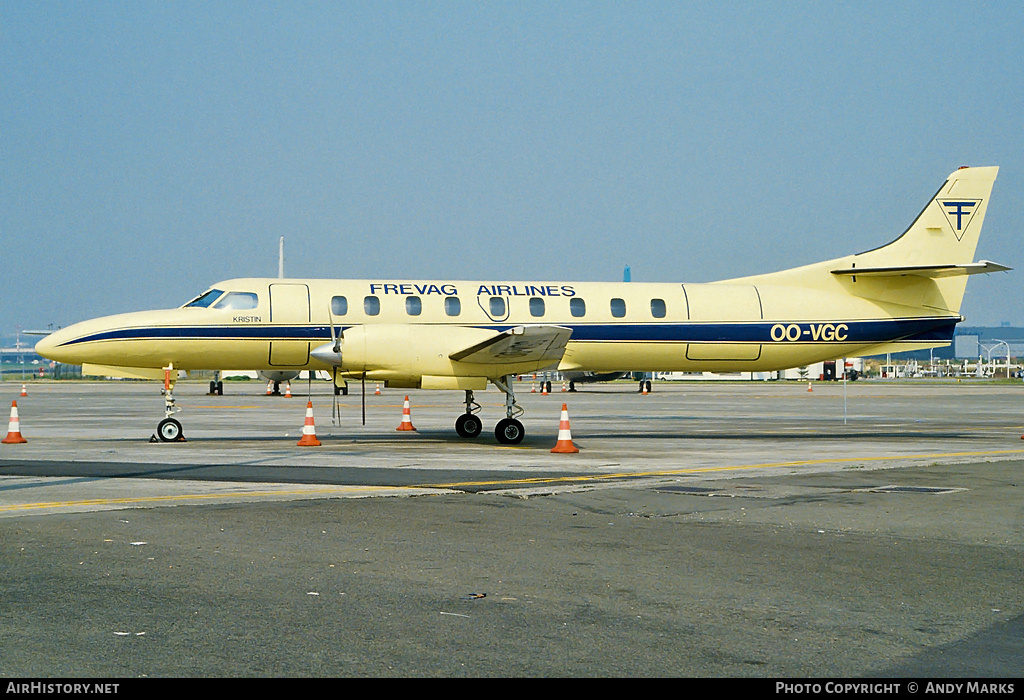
409, 329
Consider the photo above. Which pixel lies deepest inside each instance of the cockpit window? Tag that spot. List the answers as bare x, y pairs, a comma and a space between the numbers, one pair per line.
238, 301
205, 299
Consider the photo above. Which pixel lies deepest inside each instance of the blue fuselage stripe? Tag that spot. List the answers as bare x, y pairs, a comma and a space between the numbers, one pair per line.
864, 332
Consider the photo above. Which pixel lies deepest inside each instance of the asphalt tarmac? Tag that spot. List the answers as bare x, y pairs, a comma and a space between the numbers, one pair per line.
708, 530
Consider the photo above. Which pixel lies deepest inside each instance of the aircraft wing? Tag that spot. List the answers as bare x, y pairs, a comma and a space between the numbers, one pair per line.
542, 344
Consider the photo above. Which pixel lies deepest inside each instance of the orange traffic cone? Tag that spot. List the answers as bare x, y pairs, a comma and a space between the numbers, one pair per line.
564, 387
406, 423
308, 438
288, 390
543, 388
270, 388
13, 430
533, 388
23, 390
809, 387
377, 393
564, 445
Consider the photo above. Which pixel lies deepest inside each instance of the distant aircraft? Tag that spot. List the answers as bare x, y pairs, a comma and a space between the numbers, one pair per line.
447, 334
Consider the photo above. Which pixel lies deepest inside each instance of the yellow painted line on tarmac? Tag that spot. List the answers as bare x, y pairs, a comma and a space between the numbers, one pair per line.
203, 496
708, 470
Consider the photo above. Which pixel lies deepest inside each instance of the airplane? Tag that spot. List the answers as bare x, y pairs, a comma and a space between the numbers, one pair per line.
462, 335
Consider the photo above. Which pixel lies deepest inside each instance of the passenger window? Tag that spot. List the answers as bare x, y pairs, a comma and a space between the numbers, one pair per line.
452, 306
371, 305
237, 301
536, 307
497, 306
577, 307
658, 308
413, 306
618, 308
339, 306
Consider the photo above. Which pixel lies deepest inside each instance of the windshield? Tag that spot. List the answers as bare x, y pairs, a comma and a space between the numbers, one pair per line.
205, 299
238, 301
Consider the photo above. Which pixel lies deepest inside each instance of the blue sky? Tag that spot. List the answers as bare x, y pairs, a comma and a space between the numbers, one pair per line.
150, 149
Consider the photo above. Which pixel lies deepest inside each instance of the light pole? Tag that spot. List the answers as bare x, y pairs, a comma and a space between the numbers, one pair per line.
1003, 342
998, 343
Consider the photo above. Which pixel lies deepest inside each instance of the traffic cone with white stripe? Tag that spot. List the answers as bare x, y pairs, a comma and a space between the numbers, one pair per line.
308, 438
809, 387
406, 423
288, 390
24, 392
270, 388
377, 393
13, 429
564, 445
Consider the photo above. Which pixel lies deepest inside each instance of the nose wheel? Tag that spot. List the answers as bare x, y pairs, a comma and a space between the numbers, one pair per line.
169, 430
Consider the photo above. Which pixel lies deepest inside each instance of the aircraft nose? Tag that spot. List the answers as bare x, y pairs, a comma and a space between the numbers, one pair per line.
48, 345
44, 346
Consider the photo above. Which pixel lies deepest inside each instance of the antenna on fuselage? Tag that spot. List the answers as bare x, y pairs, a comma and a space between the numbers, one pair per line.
280, 259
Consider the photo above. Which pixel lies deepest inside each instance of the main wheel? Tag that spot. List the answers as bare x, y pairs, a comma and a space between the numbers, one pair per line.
220, 388
169, 430
468, 426
509, 431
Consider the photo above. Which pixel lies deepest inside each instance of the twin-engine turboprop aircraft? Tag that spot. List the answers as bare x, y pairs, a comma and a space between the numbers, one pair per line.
445, 334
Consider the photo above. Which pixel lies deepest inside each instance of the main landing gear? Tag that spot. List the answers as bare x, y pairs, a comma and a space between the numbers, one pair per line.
468, 425
216, 385
509, 431
169, 429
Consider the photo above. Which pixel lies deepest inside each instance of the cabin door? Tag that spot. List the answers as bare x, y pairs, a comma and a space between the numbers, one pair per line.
289, 314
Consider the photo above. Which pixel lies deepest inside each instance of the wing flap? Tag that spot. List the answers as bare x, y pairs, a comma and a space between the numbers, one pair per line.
520, 344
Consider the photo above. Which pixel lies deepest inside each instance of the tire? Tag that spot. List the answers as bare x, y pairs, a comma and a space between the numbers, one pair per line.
468, 425
220, 388
169, 430
509, 431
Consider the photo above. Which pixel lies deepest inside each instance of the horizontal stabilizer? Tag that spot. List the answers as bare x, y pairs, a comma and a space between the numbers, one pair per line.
544, 344
984, 266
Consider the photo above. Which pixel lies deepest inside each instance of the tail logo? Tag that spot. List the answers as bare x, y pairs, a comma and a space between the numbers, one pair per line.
959, 213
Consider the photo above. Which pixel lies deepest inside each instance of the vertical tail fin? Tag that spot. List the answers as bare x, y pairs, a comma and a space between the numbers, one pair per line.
947, 229
925, 269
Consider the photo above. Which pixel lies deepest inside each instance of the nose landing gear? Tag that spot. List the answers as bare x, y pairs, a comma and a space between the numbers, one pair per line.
169, 429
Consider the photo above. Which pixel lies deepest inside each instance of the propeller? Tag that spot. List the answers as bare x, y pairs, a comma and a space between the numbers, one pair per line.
335, 337
336, 347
